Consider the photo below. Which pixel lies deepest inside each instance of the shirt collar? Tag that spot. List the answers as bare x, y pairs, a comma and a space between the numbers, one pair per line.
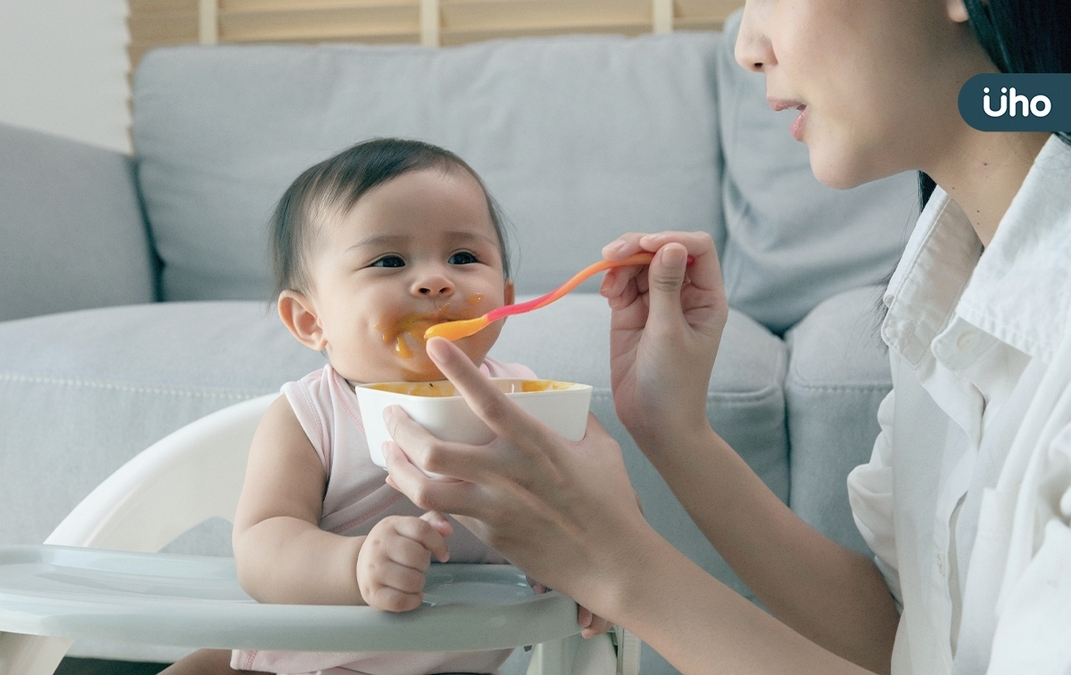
1019, 291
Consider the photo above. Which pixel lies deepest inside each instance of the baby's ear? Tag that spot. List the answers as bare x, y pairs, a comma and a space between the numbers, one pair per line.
508, 292
299, 316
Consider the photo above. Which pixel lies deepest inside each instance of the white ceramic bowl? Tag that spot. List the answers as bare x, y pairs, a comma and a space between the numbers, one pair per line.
563, 406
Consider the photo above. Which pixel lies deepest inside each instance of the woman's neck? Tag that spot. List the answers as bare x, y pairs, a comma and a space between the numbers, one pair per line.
984, 171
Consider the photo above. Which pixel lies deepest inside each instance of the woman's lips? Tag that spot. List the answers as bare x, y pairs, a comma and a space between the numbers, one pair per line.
799, 123
779, 104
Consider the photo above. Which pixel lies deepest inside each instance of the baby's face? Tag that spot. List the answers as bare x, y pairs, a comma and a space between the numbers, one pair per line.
416, 250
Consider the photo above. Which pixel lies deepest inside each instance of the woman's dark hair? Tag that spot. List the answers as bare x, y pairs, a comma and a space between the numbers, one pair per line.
337, 183
1019, 36
1024, 36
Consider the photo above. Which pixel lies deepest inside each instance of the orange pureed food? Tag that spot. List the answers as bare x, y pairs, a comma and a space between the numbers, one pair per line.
443, 389
429, 389
413, 325
416, 325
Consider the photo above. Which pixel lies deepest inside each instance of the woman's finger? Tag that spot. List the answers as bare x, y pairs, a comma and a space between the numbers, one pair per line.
432, 494
490, 405
584, 616
428, 453
438, 522
430, 539
598, 626
625, 245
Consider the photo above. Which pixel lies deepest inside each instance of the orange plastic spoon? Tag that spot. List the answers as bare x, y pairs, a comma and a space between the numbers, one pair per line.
455, 330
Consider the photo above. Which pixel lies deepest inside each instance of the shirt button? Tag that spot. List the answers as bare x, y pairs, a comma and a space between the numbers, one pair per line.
967, 340
941, 564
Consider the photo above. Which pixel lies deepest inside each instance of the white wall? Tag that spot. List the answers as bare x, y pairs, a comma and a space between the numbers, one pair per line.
63, 69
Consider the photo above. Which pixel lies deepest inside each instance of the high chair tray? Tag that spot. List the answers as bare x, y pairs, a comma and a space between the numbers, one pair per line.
195, 601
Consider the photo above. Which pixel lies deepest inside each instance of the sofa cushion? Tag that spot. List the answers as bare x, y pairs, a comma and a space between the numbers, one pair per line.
72, 231
838, 373
579, 139
82, 392
792, 242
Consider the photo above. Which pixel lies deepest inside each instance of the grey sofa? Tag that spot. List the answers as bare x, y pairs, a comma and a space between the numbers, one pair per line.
133, 291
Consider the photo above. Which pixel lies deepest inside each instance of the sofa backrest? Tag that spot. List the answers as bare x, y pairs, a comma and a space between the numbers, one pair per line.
71, 230
578, 138
792, 242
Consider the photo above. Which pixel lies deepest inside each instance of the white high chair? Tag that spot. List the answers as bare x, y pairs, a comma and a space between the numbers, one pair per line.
72, 588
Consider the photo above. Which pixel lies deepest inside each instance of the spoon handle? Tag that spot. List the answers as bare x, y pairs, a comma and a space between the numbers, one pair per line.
576, 280
455, 330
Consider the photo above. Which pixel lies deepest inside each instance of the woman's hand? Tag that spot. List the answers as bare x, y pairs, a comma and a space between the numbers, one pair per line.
592, 623
665, 330
563, 512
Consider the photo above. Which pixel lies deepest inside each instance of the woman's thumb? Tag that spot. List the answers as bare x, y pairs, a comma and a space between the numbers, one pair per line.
666, 276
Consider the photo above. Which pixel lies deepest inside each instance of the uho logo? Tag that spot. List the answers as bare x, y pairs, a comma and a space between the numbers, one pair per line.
1017, 102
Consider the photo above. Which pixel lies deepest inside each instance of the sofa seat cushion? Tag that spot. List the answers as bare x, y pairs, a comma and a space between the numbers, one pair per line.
83, 392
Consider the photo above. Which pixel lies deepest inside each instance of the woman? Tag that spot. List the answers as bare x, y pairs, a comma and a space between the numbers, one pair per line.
966, 500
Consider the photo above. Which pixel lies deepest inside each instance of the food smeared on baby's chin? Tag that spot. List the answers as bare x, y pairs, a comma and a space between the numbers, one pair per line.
412, 325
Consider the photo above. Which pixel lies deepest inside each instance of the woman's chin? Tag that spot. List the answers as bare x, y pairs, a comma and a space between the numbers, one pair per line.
837, 172
842, 166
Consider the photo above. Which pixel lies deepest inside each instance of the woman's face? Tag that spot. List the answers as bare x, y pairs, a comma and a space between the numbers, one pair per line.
876, 81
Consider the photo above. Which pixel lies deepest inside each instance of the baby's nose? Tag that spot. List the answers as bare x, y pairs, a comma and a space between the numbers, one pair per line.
435, 287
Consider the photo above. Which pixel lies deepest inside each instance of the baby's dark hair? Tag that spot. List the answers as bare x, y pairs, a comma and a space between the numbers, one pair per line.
336, 184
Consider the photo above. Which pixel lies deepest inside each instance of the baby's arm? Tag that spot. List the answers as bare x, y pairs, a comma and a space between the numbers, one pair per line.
281, 554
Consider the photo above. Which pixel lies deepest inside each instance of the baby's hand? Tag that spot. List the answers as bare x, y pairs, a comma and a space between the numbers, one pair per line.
394, 557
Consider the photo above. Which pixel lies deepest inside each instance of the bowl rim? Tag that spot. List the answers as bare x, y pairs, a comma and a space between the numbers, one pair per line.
572, 387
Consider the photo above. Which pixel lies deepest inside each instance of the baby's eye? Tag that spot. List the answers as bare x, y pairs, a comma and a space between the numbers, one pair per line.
389, 261
463, 258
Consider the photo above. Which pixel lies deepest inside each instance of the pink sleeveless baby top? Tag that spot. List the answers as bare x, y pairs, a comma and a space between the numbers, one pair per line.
357, 497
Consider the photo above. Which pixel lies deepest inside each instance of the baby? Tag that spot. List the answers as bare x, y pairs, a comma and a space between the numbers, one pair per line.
370, 248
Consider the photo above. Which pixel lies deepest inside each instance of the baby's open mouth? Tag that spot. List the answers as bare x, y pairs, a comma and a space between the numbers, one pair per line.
412, 326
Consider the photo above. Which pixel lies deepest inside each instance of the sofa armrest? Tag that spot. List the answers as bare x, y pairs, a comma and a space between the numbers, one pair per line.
71, 225
838, 374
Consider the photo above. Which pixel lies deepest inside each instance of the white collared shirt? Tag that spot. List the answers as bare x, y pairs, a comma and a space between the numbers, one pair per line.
966, 501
